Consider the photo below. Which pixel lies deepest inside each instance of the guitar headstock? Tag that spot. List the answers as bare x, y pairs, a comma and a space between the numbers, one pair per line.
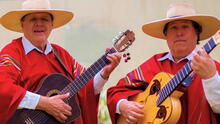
123, 40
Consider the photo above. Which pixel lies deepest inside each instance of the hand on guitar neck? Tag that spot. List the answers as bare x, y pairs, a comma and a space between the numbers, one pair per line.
201, 61
114, 60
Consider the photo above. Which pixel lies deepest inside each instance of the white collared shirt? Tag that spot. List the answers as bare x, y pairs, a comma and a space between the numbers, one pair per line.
28, 47
170, 57
30, 99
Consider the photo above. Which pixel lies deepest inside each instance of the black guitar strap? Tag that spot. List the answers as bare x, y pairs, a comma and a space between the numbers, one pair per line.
61, 62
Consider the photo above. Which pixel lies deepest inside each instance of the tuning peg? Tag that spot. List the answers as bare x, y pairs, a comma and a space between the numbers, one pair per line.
125, 60
126, 56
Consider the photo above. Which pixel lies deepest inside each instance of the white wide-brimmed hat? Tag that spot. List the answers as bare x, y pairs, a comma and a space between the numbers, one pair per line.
12, 19
183, 11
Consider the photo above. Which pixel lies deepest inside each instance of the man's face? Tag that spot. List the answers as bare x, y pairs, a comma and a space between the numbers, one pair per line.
37, 27
181, 38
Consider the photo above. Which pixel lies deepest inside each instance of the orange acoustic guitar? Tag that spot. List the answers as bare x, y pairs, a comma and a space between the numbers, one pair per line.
161, 99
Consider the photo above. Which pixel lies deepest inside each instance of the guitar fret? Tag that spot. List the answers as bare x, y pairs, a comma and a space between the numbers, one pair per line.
177, 77
166, 89
213, 44
89, 74
94, 69
181, 74
170, 89
161, 97
74, 88
84, 77
100, 65
209, 45
102, 61
184, 70
174, 79
190, 68
166, 92
175, 83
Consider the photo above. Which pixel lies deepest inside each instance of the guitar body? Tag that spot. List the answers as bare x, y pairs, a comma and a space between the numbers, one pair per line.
168, 112
52, 85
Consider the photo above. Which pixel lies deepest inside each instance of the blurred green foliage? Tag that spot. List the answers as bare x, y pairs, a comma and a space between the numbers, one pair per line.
103, 115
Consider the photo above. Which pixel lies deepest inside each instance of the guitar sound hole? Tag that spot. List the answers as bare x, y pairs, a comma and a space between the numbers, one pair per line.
161, 112
54, 94
155, 88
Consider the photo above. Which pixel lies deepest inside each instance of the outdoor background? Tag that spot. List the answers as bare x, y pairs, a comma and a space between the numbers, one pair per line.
96, 22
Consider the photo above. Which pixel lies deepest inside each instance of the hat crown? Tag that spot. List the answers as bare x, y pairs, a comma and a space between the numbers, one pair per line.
35, 4
180, 9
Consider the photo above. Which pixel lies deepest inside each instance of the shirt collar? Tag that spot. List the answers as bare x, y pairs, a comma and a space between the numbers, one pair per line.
170, 57
28, 46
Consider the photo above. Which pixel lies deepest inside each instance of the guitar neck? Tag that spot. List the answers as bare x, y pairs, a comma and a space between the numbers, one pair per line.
80, 81
182, 74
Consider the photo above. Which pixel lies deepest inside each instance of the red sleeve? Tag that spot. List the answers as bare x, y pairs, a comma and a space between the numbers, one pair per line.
10, 94
114, 94
217, 115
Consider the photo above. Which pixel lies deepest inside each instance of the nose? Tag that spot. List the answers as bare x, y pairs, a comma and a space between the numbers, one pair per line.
179, 32
38, 22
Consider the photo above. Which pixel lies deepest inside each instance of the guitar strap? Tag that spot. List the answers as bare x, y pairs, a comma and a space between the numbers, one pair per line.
63, 65
61, 62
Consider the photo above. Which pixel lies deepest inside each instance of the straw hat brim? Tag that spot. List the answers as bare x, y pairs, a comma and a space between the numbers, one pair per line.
209, 25
12, 20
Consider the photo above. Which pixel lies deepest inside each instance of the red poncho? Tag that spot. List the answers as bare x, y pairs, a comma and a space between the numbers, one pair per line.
33, 68
192, 110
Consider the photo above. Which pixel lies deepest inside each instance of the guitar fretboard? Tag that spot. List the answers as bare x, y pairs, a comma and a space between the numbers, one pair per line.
79, 82
181, 75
